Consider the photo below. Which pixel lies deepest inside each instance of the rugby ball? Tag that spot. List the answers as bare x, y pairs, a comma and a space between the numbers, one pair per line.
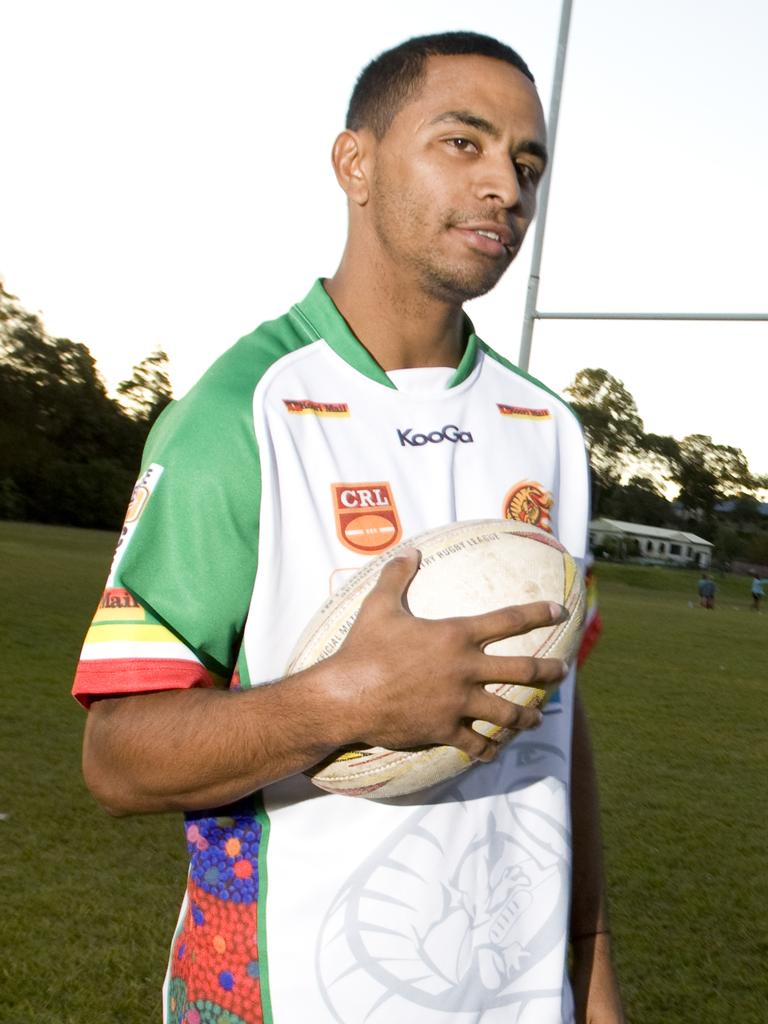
466, 569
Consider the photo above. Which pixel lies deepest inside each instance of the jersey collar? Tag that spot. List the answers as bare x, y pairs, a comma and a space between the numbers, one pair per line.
321, 319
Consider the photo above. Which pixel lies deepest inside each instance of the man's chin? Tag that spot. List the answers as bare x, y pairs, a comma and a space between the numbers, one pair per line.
458, 288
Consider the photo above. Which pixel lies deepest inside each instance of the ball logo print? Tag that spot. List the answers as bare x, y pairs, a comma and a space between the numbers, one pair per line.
450, 432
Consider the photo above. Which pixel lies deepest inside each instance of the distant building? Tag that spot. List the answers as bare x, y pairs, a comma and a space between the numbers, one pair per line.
650, 544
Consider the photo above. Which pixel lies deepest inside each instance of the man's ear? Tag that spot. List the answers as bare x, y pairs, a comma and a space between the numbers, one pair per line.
351, 162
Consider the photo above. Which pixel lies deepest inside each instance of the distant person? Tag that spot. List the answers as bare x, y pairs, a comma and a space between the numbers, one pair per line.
706, 591
757, 592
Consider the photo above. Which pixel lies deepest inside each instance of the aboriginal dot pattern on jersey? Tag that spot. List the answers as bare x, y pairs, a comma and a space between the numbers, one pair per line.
214, 975
203, 1011
224, 856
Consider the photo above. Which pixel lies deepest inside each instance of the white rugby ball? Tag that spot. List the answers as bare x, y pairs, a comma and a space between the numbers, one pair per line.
466, 569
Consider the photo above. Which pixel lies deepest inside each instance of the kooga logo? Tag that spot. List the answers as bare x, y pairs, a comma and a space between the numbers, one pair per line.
449, 433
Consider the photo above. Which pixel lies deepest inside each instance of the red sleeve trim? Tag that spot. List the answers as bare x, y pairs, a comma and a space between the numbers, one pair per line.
589, 639
118, 677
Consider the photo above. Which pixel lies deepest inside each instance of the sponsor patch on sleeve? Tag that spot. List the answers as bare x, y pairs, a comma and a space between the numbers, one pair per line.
142, 492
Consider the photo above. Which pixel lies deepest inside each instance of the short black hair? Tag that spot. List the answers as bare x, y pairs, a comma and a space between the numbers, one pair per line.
394, 76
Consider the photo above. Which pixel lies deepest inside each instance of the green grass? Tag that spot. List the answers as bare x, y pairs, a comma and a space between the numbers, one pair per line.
679, 720
89, 903
676, 696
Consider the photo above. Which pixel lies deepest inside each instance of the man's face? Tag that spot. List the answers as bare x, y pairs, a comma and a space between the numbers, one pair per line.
454, 181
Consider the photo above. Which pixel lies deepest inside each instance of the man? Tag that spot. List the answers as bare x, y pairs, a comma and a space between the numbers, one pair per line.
453, 905
706, 591
757, 592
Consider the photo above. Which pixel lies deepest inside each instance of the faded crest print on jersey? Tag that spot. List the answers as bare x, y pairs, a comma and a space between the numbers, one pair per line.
488, 929
528, 502
366, 516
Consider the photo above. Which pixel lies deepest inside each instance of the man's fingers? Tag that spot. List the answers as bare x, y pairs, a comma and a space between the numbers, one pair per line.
499, 712
504, 713
395, 578
475, 745
497, 668
514, 620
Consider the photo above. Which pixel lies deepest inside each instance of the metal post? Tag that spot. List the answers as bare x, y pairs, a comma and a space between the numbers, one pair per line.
541, 219
717, 317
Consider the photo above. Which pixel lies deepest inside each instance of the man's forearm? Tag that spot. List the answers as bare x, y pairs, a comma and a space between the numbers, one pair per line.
198, 748
192, 749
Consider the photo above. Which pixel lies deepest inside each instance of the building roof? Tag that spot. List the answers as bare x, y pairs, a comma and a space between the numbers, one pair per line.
653, 532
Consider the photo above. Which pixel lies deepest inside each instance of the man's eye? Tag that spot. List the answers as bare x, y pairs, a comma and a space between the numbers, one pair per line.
527, 173
465, 145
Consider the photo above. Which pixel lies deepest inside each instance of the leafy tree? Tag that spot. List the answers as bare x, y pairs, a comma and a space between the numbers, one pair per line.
68, 452
612, 427
745, 511
619, 448
658, 457
708, 473
638, 501
756, 548
147, 392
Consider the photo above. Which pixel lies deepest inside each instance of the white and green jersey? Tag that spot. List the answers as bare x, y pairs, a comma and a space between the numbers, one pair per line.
292, 462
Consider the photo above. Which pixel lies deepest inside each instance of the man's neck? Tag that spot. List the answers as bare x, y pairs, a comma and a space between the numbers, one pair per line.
397, 322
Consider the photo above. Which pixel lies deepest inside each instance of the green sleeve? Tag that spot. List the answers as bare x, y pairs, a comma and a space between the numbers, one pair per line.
193, 555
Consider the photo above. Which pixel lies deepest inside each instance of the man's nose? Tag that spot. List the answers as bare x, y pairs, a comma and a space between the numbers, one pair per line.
499, 181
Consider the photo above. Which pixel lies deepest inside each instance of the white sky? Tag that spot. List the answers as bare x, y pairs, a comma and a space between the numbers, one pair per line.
166, 182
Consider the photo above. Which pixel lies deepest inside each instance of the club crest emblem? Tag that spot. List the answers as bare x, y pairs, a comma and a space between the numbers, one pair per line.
528, 502
142, 493
366, 516
139, 499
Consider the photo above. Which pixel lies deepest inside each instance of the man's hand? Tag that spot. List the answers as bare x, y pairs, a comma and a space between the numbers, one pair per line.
399, 681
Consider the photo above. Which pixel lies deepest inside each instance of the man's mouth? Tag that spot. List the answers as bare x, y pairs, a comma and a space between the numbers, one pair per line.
489, 234
492, 241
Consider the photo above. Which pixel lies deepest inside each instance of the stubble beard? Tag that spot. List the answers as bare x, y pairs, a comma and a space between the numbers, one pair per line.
457, 285
440, 278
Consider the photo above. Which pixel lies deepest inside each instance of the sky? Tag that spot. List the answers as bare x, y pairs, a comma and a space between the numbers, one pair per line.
166, 182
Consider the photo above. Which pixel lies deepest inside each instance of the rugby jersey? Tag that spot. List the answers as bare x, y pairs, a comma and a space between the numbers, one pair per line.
293, 461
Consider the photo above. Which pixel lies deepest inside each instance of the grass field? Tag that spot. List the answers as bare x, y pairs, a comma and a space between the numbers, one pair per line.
680, 719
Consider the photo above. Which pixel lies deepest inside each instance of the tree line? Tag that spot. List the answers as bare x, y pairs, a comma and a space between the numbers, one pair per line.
713, 491
69, 453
